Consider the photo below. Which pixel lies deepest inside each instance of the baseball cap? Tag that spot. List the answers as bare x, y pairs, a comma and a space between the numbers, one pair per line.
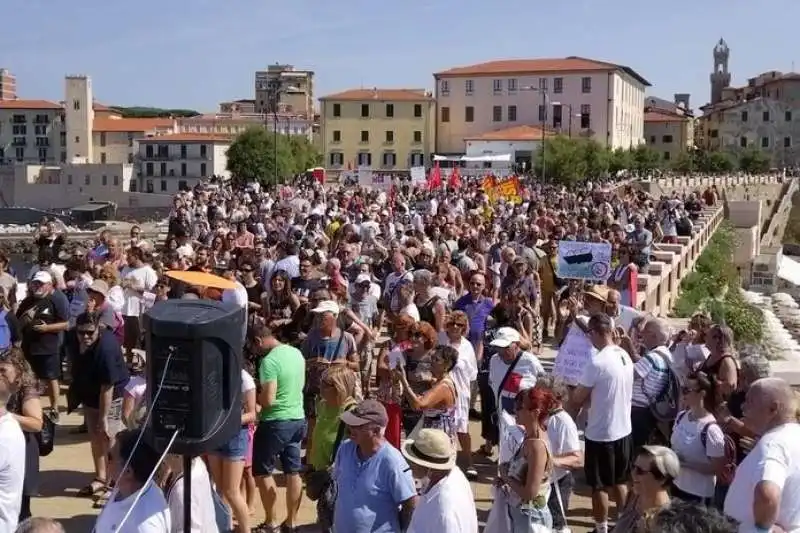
42, 276
505, 337
327, 306
363, 278
366, 412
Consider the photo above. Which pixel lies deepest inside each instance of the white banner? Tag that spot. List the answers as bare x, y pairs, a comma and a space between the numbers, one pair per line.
373, 180
575, 353
583, 260
418, 175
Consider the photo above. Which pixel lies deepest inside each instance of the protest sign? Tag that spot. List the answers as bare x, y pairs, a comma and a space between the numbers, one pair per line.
373, 180
418, 176
574, 354
583, 260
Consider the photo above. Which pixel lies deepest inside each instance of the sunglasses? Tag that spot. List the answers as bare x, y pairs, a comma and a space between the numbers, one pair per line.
455, 325
85, 332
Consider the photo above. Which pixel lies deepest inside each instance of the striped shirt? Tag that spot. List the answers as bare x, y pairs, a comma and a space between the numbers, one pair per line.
650, 376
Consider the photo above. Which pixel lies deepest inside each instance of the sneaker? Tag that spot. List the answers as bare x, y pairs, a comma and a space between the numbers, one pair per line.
471, 474
54, 415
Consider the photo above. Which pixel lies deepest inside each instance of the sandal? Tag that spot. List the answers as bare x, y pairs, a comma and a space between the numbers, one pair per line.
97, 486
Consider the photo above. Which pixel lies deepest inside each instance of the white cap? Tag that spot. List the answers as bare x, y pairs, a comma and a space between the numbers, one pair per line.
363, 278
327, 306
42, 276
505, 337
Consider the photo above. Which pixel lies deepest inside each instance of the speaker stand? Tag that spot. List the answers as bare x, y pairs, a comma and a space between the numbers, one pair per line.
187, 493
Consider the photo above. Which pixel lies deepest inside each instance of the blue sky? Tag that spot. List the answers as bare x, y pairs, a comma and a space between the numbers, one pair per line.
196, 53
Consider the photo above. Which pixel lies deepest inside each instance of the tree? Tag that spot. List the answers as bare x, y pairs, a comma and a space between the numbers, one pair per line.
686, 162
754, 161
645, 159
305, 154
252, 156
153, 112
596, 158
714, 161
619, 160
561, 159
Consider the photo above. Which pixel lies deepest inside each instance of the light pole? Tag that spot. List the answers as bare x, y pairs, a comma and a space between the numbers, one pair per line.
543, 122
275, 88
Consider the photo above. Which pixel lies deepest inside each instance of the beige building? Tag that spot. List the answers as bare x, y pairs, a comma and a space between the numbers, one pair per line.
169, 163
236, 123
668, 132
30, 131
388, 129
285, 89
595, 99
238, 106
8, 85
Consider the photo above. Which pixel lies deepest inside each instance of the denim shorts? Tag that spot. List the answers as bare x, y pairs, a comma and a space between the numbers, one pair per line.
236, 448
278, 439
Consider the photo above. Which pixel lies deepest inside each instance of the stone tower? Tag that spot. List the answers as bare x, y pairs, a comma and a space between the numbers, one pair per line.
720, 78
79, 118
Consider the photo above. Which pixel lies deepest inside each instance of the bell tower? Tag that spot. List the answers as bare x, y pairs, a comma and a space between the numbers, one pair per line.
720, 78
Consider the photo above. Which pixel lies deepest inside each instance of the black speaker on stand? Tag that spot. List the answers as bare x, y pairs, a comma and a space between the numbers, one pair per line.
194, 380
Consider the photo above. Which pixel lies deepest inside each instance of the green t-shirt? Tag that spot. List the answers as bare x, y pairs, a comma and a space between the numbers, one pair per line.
285, 365
326, 429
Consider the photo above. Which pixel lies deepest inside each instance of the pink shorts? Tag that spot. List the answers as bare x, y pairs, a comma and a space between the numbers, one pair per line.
248, 459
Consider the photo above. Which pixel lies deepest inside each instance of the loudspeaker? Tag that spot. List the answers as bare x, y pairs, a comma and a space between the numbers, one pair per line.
201, 395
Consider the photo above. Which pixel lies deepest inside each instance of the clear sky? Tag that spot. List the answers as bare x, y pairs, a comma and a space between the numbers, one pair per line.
196, 53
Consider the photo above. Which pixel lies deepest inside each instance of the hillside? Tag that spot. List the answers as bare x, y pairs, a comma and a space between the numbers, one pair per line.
153, 112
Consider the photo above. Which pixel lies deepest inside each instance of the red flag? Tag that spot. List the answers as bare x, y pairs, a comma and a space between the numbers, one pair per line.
435, 177
454, 182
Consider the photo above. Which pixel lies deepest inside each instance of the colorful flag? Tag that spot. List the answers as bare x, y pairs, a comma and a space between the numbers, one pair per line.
435, 177
454, 182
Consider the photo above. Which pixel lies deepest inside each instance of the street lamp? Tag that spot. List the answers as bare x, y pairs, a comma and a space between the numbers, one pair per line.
543, 120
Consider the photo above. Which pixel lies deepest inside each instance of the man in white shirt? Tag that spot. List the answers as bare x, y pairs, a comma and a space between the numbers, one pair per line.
766, 488
204, 517
607, 383
137, 278
446, 503
12, 464
511, 369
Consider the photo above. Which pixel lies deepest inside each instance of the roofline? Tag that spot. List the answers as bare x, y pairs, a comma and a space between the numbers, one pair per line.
165, 138
610, 66
421, 98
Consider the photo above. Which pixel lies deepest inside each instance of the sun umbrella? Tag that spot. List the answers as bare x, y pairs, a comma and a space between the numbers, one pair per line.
201, 279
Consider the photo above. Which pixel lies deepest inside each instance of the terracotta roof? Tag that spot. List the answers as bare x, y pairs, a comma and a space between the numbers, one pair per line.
663, 116
135, 125
189, 138
528, 66
516, 133
29, 104
388, 95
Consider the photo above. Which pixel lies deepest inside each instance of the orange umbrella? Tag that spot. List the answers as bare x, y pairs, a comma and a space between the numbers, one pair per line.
201, 279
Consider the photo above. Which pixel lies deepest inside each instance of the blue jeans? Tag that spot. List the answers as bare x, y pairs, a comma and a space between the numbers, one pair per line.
278, 438
236, 448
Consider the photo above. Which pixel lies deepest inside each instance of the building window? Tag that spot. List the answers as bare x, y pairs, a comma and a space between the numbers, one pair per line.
77, 139
389, 159
19, 129
364, 110
558, 85
542, 113
202, 170
102, 158
87, 179
558, 111
417, 137
19, 153
444, 88
148, 169
364, 136
652, 139
203, 151
787, 116
364, 159
389, 139
102, 138
149, 186
116, 181
744, 116
182, 185
765, 116
337, 136
469, 114
764, 142
389, 110
445, 114
543, 84
337, 110
666, 139
417, 159
586, 116
183, 169
512, 113
130, 140
64, 157
417, 110
162, 171
586, 85
512, 85
743, 142
336, 159
497, 113
69, 179
714, 134
469, 86
76, 105
497, 86
183, 151
163, 185
42, 155
104, 180
787, 142
666, 156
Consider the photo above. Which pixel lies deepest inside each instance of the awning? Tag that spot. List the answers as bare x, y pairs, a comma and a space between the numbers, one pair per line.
89, 208
491, 158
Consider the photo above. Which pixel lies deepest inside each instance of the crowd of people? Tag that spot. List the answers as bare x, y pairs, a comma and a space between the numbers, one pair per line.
379, 324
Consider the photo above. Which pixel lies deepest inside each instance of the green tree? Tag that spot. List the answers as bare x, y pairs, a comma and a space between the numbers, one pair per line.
561, 159
620, 159
596, 157
254, 155
754, 161
305, 154
645, 159
153, 112
685, 163
714, 162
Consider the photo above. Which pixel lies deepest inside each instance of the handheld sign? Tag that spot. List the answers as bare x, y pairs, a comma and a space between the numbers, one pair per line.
583, 260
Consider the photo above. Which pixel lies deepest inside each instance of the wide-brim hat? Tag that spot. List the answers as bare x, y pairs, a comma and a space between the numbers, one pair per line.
432, 449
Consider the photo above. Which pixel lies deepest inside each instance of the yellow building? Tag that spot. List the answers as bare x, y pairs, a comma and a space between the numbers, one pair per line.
381, 129
668, 132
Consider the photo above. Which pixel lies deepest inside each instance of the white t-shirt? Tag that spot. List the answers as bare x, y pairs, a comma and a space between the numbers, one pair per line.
464, 373
144, 278
204, 519
248, 383
412, 311
686, 441
448, 507
563, 435
775, 458
12, 471
151, 514
610, 376
523, 377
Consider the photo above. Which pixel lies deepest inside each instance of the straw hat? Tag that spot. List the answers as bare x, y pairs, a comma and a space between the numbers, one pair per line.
431, 449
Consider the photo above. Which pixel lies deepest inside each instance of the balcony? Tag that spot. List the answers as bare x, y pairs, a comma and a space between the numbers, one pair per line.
19, 141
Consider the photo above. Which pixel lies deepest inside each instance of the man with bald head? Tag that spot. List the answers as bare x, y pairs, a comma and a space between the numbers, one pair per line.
622, 314
765, 493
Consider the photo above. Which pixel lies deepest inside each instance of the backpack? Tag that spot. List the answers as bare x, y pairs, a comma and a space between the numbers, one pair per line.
664, 406
5, 331
725, 476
